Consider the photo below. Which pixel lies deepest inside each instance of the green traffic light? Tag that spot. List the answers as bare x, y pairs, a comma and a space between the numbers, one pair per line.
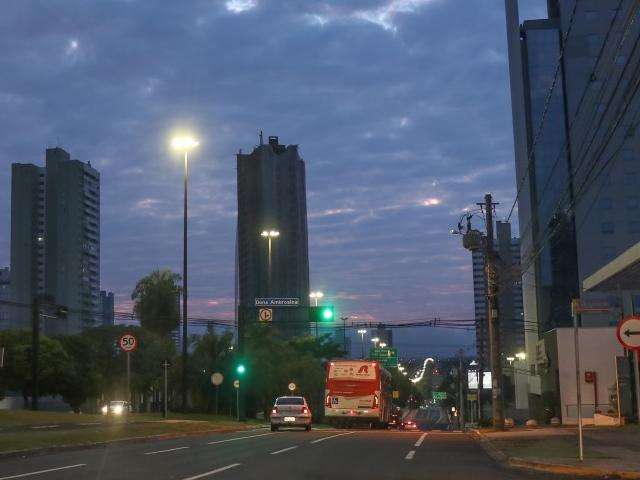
327, 314
240, 369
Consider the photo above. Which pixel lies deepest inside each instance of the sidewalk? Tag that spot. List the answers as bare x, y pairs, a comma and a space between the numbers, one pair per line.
607, 451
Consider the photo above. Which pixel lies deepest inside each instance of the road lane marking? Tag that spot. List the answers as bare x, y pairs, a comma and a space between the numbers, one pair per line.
46, 426
43, 471
212, 472
167, 450
410, 455
284, 450
331, 436
239, 438
90, 423
420, 440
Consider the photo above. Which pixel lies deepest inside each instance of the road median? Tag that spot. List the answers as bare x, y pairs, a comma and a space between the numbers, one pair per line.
555, 451
27, 439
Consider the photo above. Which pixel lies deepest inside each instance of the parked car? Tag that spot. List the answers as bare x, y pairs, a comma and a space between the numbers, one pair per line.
290, 412
116, 407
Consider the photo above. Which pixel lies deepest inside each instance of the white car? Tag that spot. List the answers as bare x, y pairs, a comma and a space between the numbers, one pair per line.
290, 412
116, 407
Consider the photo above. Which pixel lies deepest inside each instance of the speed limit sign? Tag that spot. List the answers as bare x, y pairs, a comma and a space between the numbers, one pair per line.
128, 342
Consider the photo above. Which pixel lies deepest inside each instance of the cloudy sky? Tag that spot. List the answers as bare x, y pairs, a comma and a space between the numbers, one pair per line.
400, 107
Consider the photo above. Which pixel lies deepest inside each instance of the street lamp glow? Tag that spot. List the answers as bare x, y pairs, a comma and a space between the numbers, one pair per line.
510, 359
184, 144
315, 296
382, 344
375, 339
362, 331
521, 355
270, 233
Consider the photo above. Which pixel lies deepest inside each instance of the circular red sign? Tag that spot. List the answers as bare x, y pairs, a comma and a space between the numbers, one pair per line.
128, 342
628, 332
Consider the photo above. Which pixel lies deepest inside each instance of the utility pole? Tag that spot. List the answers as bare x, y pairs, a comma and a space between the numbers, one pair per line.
461, 388
493, 317
575, 313
35, 351
165, 364
480, 369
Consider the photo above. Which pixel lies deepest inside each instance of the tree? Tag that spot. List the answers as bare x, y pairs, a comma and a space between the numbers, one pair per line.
157, 304
53, 364
82, 380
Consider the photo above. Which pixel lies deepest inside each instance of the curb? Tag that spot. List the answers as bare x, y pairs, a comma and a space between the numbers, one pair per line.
85, 446
556, 468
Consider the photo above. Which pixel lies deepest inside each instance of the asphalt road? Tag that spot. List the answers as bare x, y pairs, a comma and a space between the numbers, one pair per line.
261, 454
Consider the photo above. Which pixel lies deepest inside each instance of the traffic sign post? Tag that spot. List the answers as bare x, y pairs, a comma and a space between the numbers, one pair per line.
292, 387
128, 343
216, 380
628, 333
236, 385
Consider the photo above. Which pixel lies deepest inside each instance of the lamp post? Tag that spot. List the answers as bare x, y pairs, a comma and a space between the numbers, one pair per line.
362, 332
375, 341
269, 234
315, 296
184, 145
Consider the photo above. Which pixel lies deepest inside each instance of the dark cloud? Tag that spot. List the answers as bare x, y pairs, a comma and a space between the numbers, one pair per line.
394, 103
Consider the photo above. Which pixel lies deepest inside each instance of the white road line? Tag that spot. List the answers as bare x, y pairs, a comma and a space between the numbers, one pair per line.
410, 455
239, 438
46, 426
90, 423
420, 440
43, 471
212, 472
284, 450
331, 436
167, 450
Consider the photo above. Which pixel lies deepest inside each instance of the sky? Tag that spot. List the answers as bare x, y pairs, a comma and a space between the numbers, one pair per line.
400, 107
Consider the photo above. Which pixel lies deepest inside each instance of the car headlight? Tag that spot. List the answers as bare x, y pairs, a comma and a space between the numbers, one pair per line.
117, 409
105, 409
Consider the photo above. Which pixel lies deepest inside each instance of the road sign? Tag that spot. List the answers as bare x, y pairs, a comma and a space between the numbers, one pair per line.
277, 302
236, 383
217, 378
385, 355
265, 315
628, 333
292, 386
439, 395
128, 342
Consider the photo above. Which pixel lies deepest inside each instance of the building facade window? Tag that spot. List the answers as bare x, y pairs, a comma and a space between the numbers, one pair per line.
607, 228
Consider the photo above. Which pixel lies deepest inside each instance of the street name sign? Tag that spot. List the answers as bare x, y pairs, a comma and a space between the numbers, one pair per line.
265, 314
628, 333
128, 342
277, 302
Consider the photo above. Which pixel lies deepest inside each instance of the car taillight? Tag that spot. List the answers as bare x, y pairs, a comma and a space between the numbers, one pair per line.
274, 411
375, 401
327, 401
305, 410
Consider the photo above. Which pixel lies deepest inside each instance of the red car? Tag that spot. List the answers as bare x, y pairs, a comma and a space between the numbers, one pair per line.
408, 425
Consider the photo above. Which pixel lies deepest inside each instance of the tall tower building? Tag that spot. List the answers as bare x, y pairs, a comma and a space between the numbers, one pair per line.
55, 239
575, 111
272, 197
510, 296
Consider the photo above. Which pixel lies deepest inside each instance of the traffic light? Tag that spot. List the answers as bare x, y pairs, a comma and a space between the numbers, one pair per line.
240, 369
321, 314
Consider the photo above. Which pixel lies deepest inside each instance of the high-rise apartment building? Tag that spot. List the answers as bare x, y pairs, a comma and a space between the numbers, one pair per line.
5, 298
575, 111
510, 296
107, 313
272, 198
55, 240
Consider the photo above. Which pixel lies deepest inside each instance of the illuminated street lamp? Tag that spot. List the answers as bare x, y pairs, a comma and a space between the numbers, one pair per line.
382, 344
185, 145
521, 355
375, 341
315, 296
362, 332
269, 235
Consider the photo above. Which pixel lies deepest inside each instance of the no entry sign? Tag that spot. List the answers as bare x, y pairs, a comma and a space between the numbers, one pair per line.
629, 333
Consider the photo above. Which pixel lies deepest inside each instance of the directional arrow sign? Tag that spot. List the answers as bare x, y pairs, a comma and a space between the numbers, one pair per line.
628, 333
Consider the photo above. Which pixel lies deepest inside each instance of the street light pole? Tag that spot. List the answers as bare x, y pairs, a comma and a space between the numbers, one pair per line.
362, 331
269, 234
184, 144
